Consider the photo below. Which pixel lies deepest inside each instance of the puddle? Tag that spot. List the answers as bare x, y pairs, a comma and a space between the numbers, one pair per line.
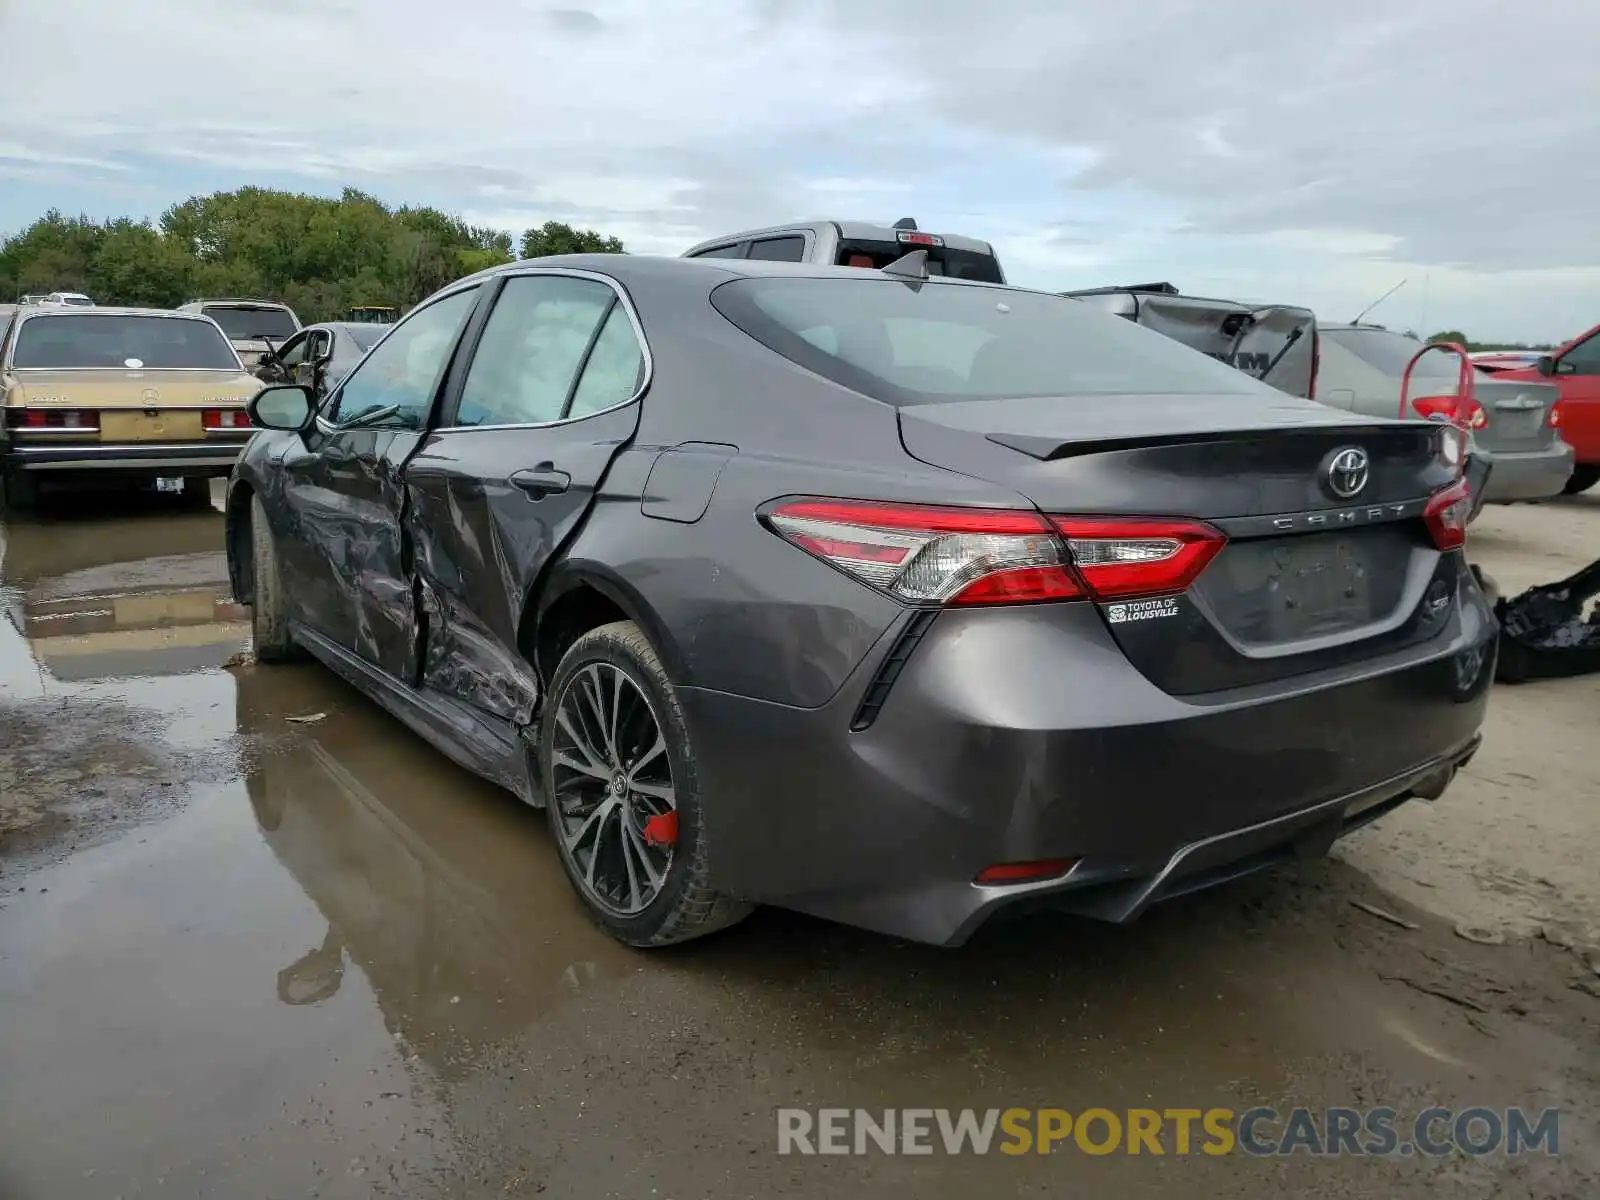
333, 963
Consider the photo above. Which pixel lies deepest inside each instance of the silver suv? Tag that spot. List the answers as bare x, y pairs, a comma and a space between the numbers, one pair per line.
858, 244
255, 327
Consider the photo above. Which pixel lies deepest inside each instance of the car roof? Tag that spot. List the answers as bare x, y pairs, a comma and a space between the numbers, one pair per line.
706, 271
851, 230
250, 300
39, 312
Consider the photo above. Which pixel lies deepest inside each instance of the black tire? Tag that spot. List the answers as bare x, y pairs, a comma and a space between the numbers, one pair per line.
269, 616
21, 491
686, 906
1584, 476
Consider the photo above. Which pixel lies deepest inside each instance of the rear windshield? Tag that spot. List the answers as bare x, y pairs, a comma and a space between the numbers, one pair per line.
1390, 352
939, 342
251, 324
942, 260
78, 341
366, 335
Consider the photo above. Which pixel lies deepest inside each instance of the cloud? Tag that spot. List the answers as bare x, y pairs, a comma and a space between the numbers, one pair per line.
1306, 152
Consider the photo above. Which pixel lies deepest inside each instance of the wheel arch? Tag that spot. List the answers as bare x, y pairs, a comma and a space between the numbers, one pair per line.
577, 595
236, 532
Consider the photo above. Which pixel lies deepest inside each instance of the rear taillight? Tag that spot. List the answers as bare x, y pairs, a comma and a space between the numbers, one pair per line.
53, 418
1446, 515
224, 418
1135, 556
1554, 419
1469, 415
966, 556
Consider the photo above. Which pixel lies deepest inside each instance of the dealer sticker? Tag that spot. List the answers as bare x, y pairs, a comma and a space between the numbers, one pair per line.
1142, 610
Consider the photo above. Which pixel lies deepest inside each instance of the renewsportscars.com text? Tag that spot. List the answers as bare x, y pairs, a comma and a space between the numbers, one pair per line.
1262, 1132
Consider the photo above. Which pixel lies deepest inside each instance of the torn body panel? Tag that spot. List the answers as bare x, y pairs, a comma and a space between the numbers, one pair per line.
487, 512
344, 553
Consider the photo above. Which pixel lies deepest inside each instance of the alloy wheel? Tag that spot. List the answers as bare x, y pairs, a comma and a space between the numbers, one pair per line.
612, 788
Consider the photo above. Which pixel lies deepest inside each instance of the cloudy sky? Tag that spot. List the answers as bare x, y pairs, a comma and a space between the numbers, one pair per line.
1281, 150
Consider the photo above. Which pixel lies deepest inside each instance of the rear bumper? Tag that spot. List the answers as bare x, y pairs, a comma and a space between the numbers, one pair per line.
1530, 475
218, 456
1025, 734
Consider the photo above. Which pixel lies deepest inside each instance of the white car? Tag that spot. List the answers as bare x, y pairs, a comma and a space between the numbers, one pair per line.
74, 299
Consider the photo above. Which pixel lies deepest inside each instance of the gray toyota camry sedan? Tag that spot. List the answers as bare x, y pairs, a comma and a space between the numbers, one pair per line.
904, 601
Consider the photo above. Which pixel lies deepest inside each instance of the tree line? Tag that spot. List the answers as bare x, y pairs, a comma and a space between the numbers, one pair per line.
321, 256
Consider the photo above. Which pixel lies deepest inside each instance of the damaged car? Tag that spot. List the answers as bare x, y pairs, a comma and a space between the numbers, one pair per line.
905, 601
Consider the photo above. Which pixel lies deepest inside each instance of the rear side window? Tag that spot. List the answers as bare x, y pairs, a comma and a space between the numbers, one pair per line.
936, 342
779, 249
615, 368
534, 343
1390, 352
82, 341
734, 251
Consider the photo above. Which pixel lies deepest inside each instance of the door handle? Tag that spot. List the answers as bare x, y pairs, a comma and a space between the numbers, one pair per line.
544, 480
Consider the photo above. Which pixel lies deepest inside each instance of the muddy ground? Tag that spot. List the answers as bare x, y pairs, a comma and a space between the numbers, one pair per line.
243, 955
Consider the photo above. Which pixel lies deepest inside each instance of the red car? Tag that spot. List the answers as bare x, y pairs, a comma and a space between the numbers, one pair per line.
1575, 370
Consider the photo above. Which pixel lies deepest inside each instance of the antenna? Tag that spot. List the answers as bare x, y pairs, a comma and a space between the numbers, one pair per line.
1379, 301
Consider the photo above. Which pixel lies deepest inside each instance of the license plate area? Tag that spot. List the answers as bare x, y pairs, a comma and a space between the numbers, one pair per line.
1272, 591
1514, 424
167, 426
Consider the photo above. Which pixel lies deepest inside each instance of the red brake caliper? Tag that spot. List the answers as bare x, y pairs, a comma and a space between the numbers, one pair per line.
662, 829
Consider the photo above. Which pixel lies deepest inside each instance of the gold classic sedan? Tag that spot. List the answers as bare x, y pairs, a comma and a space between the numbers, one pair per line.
137, 392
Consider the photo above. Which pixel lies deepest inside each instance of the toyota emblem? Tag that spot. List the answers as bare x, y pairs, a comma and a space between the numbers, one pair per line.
1347, 472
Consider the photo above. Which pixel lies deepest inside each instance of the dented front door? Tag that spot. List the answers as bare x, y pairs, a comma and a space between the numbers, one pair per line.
348, 559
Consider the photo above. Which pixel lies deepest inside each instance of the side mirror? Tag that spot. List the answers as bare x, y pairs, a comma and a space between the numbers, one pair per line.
1545, 365
288, 407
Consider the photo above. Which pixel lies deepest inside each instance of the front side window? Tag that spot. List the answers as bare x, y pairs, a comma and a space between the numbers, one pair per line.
293, 352
734, 251
405, 371
533, 345
1582, 359
952, 341
243, 323
81, 340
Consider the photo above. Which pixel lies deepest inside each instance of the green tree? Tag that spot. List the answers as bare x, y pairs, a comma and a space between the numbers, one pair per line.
319, 254
557, 237
1448, 335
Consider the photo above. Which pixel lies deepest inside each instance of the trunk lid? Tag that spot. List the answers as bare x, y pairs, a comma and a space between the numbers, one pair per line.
1308, 579
113, 388
1518, 411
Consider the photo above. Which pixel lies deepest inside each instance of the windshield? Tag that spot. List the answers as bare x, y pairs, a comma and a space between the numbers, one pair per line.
68, 342
246, 324
1390, 352
943, 342
366, 336
80, 301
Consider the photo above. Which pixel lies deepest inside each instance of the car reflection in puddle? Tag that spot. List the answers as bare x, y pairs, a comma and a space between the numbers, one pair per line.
147, 595
439, 888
